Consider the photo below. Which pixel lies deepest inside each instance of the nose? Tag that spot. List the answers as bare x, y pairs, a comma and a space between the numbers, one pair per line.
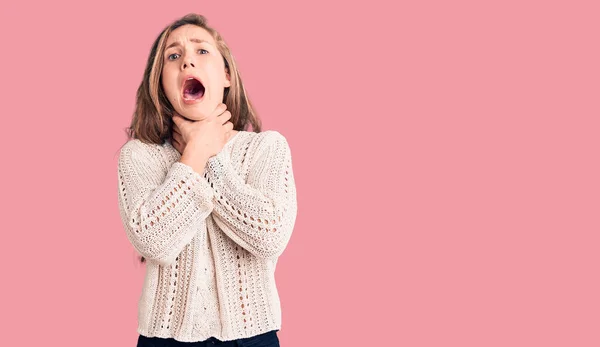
187, 62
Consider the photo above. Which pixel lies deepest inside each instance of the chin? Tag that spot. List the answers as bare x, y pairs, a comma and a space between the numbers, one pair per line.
191, 115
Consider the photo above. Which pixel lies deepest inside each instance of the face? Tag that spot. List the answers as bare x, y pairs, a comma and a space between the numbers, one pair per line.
193, 75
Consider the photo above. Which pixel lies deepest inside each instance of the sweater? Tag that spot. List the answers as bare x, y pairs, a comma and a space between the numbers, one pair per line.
211, 239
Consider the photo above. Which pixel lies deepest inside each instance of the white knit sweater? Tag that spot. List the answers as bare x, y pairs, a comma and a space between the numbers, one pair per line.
211, 239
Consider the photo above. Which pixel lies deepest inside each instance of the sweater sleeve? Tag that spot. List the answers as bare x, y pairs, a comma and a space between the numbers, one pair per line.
160, 213
258, 214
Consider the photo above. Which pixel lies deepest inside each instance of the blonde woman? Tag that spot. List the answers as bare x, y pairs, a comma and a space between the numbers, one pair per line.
208, 204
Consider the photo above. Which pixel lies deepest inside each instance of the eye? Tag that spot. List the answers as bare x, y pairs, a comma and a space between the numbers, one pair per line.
202, 50
169, 57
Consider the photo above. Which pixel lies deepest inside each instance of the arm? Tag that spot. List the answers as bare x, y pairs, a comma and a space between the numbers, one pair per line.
258, 215
161, 214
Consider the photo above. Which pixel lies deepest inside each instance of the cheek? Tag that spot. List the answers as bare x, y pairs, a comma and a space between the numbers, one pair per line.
169, 82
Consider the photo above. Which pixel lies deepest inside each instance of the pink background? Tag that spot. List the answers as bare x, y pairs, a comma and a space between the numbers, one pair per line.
445, 156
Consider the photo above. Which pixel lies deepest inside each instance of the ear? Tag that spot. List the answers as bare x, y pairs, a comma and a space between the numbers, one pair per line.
227, 78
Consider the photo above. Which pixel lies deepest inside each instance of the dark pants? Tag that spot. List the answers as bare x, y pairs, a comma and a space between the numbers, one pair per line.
268, 339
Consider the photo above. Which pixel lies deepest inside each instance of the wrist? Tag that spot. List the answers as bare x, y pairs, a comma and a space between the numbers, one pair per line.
195, 157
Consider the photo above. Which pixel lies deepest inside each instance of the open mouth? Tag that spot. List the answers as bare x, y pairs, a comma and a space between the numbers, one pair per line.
192, 89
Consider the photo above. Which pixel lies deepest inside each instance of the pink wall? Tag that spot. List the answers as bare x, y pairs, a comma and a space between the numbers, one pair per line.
445, 156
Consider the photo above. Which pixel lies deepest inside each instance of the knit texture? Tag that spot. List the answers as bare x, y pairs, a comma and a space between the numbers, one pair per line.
211, 240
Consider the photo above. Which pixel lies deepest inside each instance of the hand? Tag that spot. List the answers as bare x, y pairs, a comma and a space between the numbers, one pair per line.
177, 140
208, 135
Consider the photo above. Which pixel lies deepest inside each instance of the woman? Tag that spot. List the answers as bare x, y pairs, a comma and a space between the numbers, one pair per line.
209, 205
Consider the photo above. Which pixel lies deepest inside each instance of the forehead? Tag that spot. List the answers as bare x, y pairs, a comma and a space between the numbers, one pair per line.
187, 32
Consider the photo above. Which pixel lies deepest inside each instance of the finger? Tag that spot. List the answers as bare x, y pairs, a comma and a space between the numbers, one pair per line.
176, 129
229, 126
176, 119
179, 120
224, 117
219, 109
178, 137
178, 145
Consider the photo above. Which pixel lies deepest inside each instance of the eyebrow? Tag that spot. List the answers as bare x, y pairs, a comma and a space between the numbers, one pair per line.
176, 43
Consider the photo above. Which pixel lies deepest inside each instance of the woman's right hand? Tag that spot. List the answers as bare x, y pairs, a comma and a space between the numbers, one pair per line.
207, 136
202, 139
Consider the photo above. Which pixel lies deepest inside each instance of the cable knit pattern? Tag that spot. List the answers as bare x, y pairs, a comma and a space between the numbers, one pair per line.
211, 239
